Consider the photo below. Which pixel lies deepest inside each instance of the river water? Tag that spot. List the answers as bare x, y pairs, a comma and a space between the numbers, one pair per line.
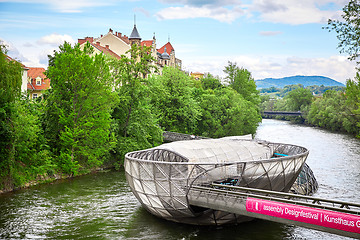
101, 206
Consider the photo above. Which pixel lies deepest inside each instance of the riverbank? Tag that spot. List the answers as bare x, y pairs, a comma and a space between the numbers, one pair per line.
44, 179
304, 122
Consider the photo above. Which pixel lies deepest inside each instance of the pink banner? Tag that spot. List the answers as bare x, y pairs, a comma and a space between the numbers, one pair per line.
325, 218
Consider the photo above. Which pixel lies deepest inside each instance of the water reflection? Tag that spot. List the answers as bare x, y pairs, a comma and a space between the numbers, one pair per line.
101, 206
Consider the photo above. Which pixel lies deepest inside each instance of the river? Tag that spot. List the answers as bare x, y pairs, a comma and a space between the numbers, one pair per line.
101, 206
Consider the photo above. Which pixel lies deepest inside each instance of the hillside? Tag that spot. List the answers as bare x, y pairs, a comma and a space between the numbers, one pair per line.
304, 80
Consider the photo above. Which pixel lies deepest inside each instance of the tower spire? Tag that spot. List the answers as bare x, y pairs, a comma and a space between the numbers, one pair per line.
135, 36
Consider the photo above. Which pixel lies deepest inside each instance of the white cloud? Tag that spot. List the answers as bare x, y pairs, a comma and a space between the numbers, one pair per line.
69, 6
55, 39
336, 67
296, 12
270, 33
13, 52
218, 13
292, 12
202, 2
142, 10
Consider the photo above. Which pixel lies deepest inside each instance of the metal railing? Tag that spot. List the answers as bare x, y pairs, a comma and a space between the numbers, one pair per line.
234, 199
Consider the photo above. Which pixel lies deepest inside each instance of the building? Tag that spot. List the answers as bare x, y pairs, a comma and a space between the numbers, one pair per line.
197, 75
23, 76
116, 44
37, 82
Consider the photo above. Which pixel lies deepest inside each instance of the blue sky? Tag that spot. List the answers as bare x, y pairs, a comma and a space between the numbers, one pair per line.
270, 38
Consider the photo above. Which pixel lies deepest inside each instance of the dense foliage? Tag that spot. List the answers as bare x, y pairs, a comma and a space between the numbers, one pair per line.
99, 108
334, 110
134, 125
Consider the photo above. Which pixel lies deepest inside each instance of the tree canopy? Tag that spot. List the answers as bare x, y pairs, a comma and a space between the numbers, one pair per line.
79, 107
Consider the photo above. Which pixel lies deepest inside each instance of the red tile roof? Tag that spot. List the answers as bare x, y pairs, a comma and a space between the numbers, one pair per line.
169, 48
147, 43
35, 72
122, 37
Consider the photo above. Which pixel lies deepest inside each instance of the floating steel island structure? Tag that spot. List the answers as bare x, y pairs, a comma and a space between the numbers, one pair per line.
161, 177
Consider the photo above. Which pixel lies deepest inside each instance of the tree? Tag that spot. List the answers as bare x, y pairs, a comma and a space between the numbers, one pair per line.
173, 103
299, 99
10, 90
328, 111
134, 125
348, 31
210, 82
224, 112
240, 80
79, 107
352, 94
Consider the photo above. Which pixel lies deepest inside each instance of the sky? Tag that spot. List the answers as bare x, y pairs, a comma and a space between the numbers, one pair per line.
270, 38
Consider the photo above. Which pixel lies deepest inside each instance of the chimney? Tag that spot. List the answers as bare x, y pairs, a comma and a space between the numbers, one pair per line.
98, 43
81, 41
89, 39
110, 30
107, 46
101, 35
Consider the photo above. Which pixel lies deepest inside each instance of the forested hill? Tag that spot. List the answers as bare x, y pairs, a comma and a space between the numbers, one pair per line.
294, 80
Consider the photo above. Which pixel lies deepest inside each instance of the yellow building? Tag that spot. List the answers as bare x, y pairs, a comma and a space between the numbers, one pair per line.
197, 75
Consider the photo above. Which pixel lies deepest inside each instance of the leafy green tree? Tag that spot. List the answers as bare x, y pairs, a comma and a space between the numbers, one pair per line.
134, 125
240, 80
348, 31
173, 102
348, 34
224, 112
328, 111
352, 93
10, 90
79, 108
299, 99
210, 82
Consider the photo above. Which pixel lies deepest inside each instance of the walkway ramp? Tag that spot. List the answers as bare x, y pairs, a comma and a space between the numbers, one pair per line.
338, 217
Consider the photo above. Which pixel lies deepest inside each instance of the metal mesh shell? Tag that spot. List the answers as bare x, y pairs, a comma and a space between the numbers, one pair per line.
160, 177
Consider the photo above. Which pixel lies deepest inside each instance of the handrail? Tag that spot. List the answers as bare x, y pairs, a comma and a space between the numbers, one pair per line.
345, 207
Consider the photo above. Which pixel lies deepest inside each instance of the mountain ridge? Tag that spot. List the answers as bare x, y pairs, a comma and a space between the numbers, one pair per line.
298, 79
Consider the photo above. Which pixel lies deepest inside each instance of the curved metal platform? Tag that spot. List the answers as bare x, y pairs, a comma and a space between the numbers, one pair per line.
161, 177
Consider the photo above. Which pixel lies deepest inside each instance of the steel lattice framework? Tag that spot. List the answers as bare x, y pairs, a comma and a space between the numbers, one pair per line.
161, 177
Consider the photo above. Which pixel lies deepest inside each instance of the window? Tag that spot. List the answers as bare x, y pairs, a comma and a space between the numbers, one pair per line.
38, 81
34, 96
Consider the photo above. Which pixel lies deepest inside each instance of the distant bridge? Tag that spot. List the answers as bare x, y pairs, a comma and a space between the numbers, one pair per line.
282, 113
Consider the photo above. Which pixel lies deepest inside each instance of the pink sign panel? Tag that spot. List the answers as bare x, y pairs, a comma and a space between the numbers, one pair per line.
320, 217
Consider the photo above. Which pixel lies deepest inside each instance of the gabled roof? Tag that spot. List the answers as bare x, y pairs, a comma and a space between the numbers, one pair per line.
135, 34
35, 72
169, 48
106, 50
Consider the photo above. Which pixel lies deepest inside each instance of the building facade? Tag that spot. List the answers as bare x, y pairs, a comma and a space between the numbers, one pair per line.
37, 82
116, 44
